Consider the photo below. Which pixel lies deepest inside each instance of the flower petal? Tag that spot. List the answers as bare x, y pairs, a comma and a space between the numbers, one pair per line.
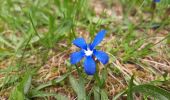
99, 37
156, 0
89, 65
75, 57
101, 56
80, 42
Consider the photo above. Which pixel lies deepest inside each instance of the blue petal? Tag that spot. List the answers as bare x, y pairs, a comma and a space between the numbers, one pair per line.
80, 42
99, 37
75, 57
101, 56
89, 65
156, 0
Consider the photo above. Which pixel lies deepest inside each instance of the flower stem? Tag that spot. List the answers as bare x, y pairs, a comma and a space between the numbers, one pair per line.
153, 7
78, 70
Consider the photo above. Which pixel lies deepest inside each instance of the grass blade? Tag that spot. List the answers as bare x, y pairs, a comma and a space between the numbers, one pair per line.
52, 82
153, 91
129, 91
22, 89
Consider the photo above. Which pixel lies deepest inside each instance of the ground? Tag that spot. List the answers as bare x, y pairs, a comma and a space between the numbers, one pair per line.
36, 43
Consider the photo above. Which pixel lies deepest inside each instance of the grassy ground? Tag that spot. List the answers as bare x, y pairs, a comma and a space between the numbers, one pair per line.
36, 41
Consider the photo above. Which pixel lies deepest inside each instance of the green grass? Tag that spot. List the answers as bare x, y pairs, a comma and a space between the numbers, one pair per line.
36, 41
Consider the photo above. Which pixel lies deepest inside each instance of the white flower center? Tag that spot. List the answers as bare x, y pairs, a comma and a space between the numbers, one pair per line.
88, 52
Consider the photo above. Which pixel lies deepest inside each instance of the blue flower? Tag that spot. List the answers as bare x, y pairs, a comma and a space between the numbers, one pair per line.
156, 0
88, 51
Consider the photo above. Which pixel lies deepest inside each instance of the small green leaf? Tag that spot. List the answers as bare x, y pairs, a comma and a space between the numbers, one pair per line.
22, 88
61, 78
129, 91
103, 77
104, 95
153, 91
96, 91
119, 94
16, 95
36, 93
74, 83
78, 87
52, 82
27, 84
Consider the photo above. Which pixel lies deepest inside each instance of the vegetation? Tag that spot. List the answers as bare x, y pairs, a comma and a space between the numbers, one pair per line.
36, 42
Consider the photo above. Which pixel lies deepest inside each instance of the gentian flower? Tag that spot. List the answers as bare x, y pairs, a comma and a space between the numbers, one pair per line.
156, 0
88, 51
